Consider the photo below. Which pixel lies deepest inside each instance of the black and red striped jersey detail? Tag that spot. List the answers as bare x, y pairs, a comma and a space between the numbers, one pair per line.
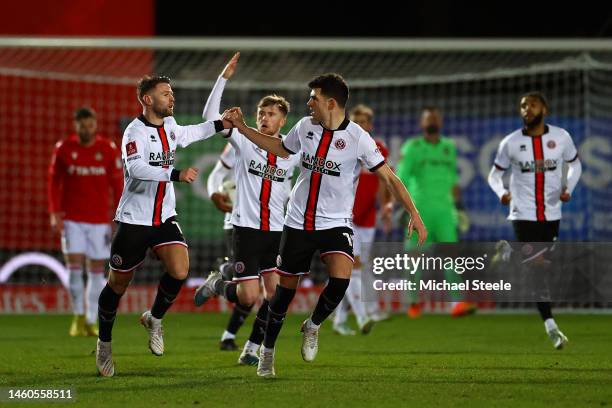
161, 186
538, 157
264, 197
315, 181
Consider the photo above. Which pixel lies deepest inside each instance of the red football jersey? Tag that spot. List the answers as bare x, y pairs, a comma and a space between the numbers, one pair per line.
364, 209
80, 178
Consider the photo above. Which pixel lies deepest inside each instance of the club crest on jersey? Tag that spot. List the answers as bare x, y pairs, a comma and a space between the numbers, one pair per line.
239, 267
117, 260
131, 148
551, 144
98, 156
74, 155
172, 135
340, 144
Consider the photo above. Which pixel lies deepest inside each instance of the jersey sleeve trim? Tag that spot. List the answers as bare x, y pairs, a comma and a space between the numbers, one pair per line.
224, 164
286, 148
379, 165
229, 134
574, 159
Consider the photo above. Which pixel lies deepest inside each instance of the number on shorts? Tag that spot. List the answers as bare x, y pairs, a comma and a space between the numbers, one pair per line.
178, 226
348, 238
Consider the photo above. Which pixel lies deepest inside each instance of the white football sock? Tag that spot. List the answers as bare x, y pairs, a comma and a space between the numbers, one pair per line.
550, 325
95, 283
250, 347
353, 294
76, 287
227, 336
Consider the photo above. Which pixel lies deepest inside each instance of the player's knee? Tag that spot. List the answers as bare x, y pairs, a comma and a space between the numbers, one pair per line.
180, 273
178, 270
74, 260
96, 264
119, 282
289, 282
247, 300
247, 297
270, 294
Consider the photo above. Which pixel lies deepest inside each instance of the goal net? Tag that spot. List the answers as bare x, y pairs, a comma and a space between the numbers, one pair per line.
476, 84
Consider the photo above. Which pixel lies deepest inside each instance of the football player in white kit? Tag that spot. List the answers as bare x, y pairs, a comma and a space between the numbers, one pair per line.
369, 195
535, 155
319, 216
263, 183
220, 178
146, 214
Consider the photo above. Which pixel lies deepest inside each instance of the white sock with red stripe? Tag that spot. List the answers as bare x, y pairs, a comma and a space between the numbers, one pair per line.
76, 287
95, 283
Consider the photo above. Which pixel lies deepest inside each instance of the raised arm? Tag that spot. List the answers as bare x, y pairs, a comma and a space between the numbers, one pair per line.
212, 109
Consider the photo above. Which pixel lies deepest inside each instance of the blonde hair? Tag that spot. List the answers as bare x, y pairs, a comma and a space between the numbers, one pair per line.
270, 100
362, 109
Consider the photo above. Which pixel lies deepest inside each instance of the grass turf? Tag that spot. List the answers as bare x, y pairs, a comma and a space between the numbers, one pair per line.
482, 360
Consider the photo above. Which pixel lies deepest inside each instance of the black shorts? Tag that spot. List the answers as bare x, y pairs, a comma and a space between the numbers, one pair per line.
255, 252
536, 231
130, 243
537, 237
298, 246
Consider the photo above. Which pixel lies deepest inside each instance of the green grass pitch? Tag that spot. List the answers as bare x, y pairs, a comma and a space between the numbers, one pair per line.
482, 360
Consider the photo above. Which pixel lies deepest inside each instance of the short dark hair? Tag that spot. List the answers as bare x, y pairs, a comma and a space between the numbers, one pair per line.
148, 82
275, 100
333, 86
84, 113
538, 95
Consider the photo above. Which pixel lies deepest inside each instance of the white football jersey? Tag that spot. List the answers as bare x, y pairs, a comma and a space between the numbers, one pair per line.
228, 160
330, 163
536, 171
263, 184
148, 152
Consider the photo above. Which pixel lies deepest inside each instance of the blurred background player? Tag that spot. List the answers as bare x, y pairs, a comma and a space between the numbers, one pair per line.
220, 180
146, 214
84, 168
428, 168
535, 155
263, 184
370, 194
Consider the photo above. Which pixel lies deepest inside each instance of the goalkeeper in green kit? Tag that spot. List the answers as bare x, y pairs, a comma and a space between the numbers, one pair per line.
428, 169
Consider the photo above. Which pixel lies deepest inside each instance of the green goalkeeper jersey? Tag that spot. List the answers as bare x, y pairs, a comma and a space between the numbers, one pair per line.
429, 172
